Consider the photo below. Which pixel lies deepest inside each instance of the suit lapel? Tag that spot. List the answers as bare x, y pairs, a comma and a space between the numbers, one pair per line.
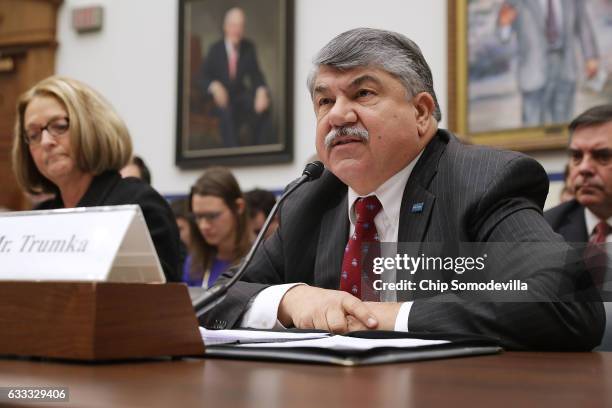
574, 227
538, 12
225, 71
413, 222
417, 201
330, 248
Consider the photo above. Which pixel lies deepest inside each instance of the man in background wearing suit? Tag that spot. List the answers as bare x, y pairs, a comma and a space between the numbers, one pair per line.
393, 176
230, 74
588, 217
547, 32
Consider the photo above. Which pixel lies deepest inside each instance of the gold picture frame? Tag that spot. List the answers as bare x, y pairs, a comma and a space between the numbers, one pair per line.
478, 117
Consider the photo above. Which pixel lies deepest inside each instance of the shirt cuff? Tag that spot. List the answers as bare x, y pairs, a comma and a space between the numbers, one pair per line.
505, 32
262, 310
401, 321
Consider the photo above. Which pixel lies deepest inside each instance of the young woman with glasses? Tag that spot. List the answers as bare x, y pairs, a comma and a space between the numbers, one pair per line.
221, 215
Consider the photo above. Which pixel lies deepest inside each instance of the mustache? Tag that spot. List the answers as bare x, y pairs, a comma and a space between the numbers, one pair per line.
578, 183
345, 131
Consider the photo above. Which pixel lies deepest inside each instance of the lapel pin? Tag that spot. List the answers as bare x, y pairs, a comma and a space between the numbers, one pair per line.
417, 207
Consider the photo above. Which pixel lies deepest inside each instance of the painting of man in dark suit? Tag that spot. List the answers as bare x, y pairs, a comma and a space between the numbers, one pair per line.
231, 77
234, 88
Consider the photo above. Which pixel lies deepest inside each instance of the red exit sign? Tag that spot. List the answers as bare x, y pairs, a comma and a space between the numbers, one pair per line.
87, 19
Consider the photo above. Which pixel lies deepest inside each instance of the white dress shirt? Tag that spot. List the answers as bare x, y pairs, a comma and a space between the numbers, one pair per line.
592, 220
262, 311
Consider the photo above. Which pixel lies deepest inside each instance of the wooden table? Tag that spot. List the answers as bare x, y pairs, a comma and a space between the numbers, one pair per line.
506, 380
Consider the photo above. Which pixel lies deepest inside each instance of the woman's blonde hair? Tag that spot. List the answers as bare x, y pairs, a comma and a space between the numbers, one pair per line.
99, 138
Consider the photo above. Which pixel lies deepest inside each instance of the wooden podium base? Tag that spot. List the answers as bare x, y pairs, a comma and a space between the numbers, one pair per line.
97, 320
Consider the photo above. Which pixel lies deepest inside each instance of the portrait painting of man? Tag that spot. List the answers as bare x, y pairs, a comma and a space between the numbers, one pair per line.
234, 81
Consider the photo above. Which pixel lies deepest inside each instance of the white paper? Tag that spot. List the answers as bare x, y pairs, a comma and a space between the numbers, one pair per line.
214, 337
345, 343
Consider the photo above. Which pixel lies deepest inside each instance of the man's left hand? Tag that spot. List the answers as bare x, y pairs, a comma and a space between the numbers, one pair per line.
384, 312
591, 67
261, 100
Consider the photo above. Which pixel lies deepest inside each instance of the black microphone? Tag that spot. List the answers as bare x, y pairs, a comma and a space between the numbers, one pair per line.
217, 293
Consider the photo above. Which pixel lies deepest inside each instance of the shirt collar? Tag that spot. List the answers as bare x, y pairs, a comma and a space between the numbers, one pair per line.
230, 49
389, 193
592, 220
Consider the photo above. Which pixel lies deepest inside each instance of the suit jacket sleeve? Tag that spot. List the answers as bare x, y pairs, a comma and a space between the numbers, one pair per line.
265, 270
214, 67
164, 231
584, 31
509, 212
252, 65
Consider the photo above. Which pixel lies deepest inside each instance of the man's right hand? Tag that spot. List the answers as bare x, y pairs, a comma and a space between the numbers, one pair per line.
219, 94
507, 15
307, 307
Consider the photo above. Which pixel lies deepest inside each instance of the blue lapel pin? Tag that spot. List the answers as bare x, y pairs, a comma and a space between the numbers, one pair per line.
417, 208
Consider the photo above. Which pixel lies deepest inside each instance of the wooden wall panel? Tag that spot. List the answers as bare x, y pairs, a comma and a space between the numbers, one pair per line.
27, 46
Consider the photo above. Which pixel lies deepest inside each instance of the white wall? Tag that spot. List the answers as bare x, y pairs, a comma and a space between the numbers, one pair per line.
133, 60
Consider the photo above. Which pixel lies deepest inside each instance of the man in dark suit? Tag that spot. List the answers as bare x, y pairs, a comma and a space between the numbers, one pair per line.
588, 217
393, 176
230, 74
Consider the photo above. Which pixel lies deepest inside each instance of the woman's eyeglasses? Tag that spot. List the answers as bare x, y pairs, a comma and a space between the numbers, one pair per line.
208, 216
55, 127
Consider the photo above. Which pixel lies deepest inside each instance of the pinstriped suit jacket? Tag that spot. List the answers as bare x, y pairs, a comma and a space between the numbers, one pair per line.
470, 194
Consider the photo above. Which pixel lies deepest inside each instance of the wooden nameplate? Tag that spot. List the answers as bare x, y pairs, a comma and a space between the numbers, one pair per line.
95, 321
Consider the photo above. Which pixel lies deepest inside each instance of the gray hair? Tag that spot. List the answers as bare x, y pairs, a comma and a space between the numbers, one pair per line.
368, 47
595, 116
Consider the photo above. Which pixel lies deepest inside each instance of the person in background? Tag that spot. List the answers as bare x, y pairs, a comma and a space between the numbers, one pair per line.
221, 215
69, 141
567, 192
188, 231
136, 168
260, 203
590, 173
587, 218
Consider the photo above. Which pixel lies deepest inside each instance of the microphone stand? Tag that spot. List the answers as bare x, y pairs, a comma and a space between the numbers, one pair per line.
215, 295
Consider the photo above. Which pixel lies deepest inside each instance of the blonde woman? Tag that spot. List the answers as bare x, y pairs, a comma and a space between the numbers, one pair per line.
69, 141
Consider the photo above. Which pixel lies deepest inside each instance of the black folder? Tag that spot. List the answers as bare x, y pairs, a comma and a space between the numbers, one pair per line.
460, 345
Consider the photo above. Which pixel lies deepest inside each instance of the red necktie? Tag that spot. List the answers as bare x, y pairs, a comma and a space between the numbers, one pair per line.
355, 259
233, 63
552, 34
596, 259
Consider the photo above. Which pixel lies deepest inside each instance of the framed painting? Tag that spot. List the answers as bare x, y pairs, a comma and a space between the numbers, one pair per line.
234, 82
521, 70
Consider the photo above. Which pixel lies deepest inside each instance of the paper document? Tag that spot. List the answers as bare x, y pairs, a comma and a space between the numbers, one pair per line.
344, 343
214, 337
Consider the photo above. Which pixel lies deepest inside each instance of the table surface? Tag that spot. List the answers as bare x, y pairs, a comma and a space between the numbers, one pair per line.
507, 380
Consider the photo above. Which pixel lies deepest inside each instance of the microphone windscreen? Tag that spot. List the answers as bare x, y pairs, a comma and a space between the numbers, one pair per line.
313, 170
